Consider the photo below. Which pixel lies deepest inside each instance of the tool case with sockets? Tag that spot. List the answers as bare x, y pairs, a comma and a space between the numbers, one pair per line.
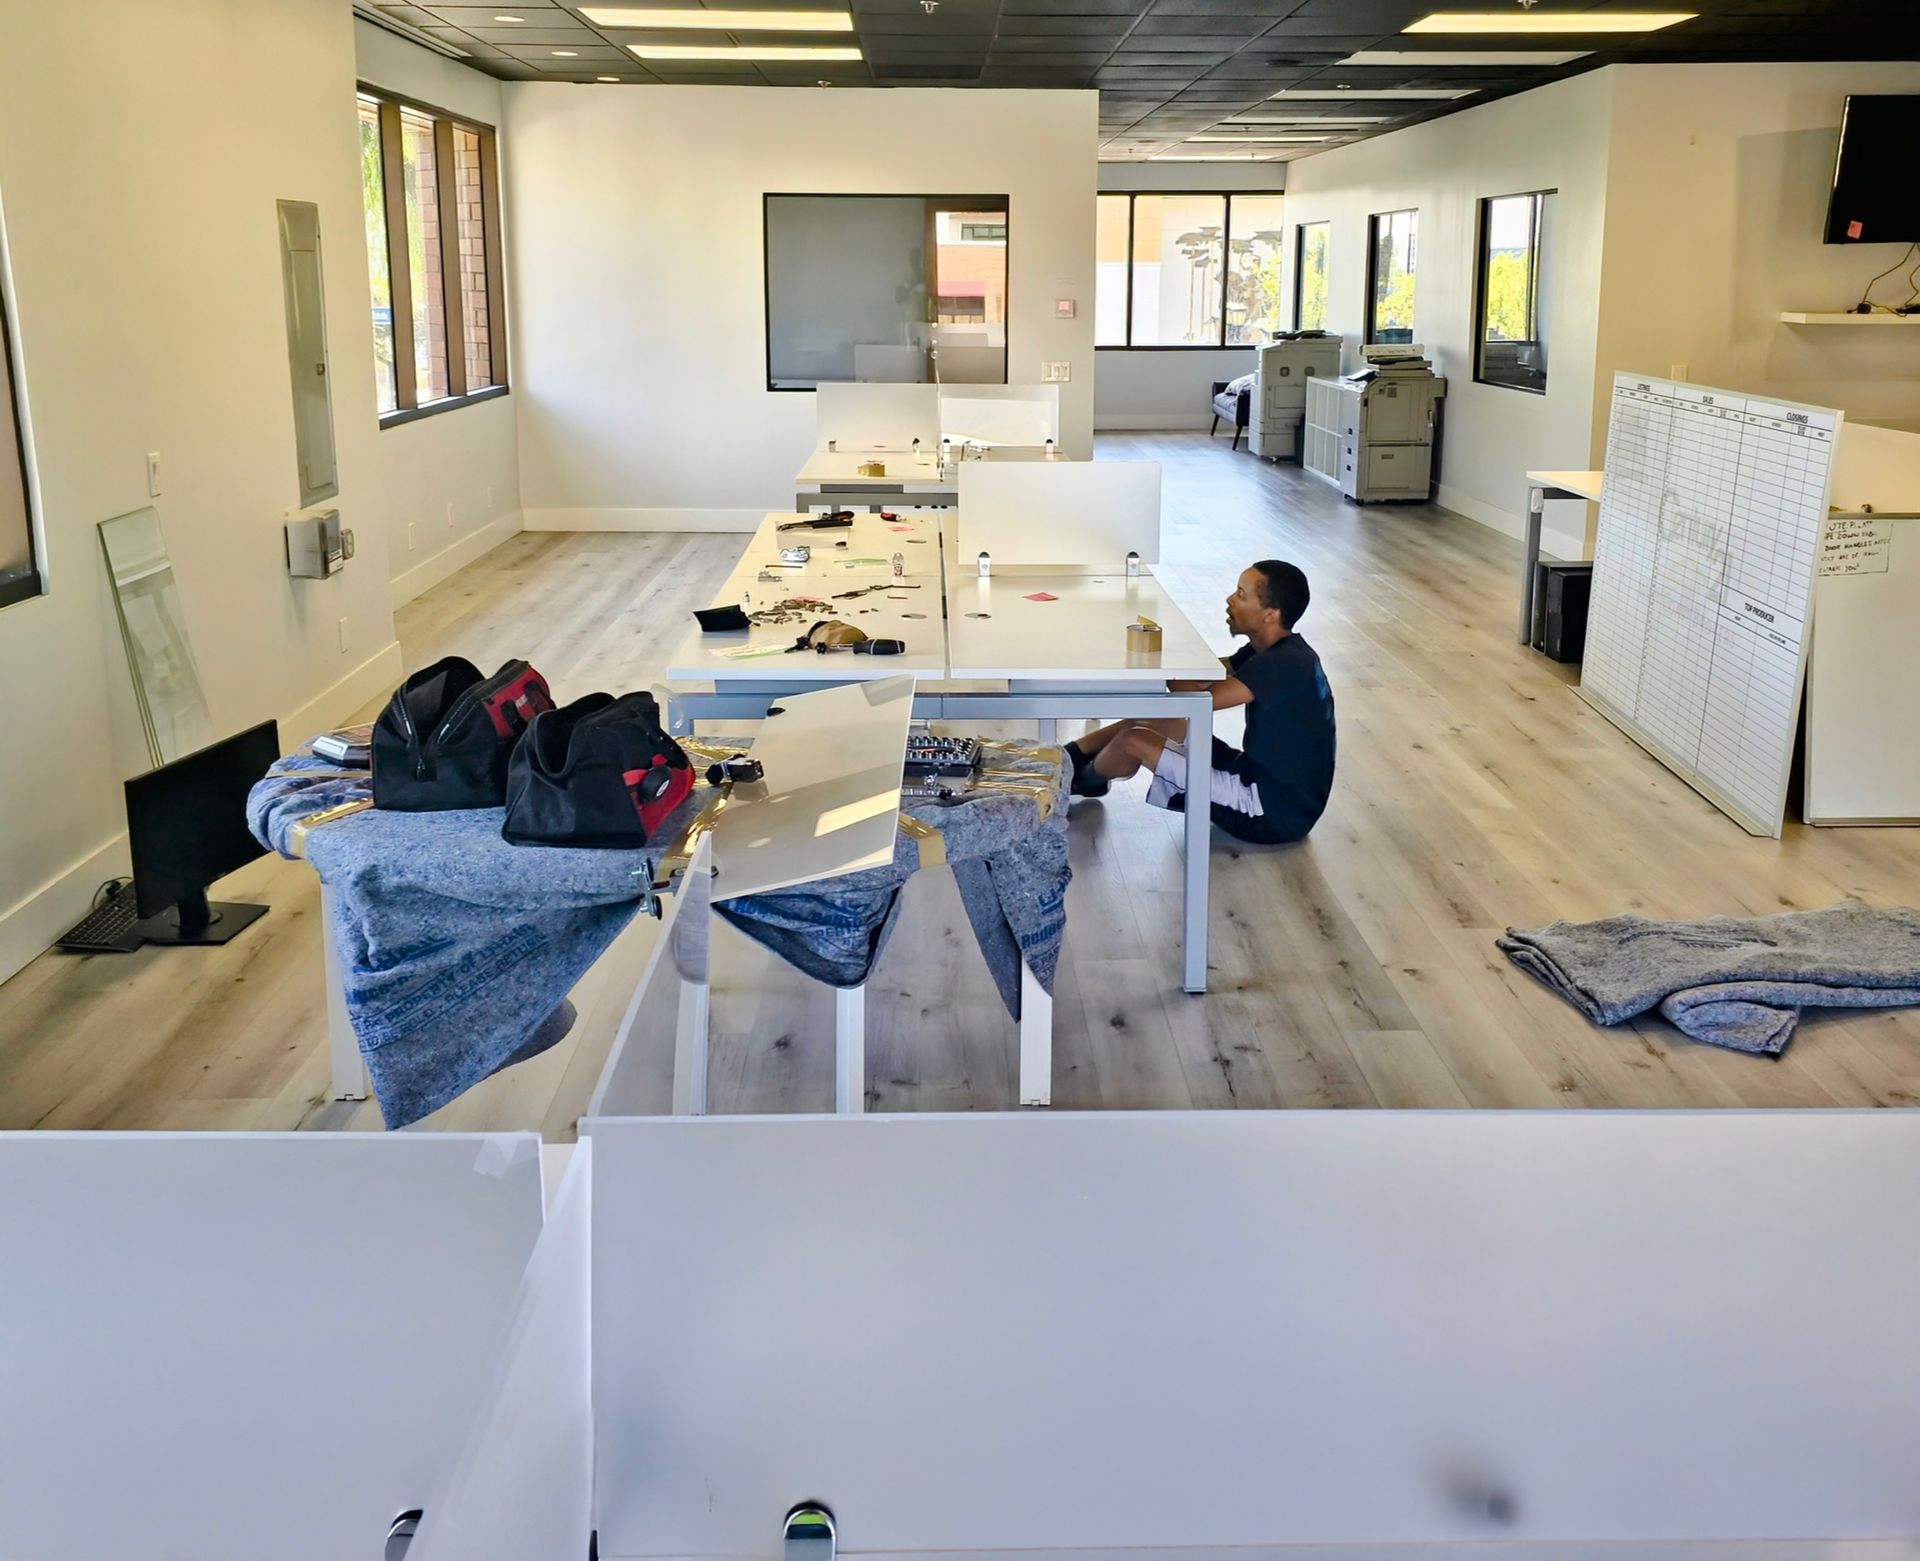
931, 755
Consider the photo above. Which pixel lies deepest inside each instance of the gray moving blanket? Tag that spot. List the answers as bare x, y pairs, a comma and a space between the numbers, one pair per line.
1729, 981
458, 949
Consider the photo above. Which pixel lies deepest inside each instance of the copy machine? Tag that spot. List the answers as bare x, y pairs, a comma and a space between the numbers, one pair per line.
1371, 434
1280, 392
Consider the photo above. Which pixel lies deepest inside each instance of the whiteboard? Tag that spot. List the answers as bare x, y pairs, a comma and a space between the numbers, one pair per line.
1058, 512
877, 417
1863, 684
1703, 584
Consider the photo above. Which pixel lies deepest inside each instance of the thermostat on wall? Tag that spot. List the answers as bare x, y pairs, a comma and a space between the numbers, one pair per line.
1063, 308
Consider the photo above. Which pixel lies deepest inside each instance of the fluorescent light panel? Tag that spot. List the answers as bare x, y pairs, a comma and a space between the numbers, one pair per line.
720, 21
1548, 21
1299, 95
1228, 140
749, 51
1308, 121
1402, 59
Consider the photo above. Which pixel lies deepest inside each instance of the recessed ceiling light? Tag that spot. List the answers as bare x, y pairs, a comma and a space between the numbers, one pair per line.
566, 54
1228, 140
509, 18
1348, 94
1402, 59
750, 51
720, 21
1548, 21
1308, 121
1210, 157
606, 78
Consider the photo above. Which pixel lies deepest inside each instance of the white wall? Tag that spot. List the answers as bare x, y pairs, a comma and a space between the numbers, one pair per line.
1717, 200
637, 287
455, 477
1554, 138
142, 148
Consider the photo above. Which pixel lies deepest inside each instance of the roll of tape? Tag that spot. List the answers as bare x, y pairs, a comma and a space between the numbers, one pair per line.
1143, 635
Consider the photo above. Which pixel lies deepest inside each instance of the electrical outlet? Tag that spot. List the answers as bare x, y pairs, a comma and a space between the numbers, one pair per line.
489, 498
153, 474
412, 540
343, 634
1678, 373
449, 514
1056, 373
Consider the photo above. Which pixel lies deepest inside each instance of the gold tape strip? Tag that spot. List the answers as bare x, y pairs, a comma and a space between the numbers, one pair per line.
675, 858
930, 843
297, 834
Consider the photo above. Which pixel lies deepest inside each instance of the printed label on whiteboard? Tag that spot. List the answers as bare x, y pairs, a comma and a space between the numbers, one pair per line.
1856, 545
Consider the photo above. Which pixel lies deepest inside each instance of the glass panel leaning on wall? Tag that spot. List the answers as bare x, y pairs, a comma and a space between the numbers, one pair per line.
1512, 347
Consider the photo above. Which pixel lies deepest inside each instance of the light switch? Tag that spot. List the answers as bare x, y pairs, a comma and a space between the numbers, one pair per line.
1056, 373
153, 474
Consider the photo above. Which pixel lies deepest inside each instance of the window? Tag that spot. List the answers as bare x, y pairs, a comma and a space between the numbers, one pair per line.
908, 289
1392, 245
19, 574
1311, 244
1186, 270
1253, 270
1512, 348
431, 190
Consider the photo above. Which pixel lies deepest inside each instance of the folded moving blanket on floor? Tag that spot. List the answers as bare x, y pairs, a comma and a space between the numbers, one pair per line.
1729, 981
458, 949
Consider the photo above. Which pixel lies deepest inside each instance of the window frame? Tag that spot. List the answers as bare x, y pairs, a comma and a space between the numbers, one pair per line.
1226, 239
767, 197
33, 583
1371, 324
400, 281
1482, 231
1300, 269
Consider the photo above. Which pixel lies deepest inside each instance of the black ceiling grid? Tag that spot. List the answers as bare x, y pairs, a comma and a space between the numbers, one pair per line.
1167, 70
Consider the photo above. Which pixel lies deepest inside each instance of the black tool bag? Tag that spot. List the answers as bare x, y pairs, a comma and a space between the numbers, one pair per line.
598, 772
445, 736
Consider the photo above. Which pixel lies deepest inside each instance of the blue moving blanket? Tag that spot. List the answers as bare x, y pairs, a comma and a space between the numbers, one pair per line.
458, 949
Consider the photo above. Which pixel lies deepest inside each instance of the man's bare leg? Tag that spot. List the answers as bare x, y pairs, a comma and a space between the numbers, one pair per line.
1137, 747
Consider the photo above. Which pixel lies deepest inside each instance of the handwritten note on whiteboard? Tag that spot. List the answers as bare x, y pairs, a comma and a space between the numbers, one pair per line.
1856, 545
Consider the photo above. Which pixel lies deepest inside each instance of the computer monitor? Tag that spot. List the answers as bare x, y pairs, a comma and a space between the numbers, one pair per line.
187, 826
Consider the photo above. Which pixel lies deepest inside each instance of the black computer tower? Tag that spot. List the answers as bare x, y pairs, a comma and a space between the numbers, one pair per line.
1563, 618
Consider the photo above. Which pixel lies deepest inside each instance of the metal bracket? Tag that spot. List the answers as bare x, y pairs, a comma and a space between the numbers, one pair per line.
809, 1533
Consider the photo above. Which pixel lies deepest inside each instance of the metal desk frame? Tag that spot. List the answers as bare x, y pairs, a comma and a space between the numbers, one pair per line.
1538, 492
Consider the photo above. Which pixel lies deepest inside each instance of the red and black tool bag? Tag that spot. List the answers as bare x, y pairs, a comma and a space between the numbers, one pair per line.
598, 772
445, 737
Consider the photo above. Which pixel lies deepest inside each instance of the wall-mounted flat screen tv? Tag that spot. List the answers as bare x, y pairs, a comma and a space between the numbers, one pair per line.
1876, 196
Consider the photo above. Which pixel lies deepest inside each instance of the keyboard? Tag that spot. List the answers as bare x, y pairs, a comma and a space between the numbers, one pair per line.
110, 928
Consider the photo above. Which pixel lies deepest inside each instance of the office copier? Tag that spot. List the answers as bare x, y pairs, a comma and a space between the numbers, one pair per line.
1280, 392
1370, 434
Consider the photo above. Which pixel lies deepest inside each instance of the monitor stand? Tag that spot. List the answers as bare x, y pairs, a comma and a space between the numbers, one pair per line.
196, 920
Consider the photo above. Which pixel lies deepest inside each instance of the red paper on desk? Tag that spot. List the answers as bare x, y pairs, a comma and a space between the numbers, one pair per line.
899, 528
1043, 596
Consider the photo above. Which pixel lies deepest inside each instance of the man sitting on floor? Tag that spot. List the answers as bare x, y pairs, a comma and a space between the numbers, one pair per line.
1274, 791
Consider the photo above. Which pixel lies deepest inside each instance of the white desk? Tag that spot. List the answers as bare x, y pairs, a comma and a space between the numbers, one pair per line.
833, 476
703, 658
1542, 486
1079, 637
914, 535
1160, 1331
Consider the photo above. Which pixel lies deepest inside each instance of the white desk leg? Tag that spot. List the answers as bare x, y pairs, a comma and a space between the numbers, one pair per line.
1036, 1040
690, 1035
850, 1050
1530, 562
1199, 841
1050, 732
343, 1051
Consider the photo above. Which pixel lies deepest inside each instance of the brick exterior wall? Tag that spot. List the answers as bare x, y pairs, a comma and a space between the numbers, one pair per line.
430, 356
473, 259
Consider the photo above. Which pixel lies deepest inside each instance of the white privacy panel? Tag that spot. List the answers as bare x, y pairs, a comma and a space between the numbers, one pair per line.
1058, 512
1139, 1330
877, 417
215, 1346
1001, 414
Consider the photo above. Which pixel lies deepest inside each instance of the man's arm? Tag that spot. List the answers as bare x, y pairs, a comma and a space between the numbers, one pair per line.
1227, 693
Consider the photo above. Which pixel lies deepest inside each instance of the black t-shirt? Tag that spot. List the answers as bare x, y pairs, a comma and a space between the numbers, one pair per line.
1290, 738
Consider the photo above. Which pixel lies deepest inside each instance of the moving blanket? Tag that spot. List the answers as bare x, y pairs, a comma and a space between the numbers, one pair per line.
1729, 981
458, 949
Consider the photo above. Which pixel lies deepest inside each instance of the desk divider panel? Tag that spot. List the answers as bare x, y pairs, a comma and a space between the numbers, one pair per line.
877, 417
223, 1346
1470, 1332
1001, 414
1090, 513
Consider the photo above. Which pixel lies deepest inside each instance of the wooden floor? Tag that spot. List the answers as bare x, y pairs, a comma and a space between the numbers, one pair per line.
1358, 969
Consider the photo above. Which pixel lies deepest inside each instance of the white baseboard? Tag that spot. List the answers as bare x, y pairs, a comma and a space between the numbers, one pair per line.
1555, 544
1151, 422
644, 519
28, 927
430, 572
